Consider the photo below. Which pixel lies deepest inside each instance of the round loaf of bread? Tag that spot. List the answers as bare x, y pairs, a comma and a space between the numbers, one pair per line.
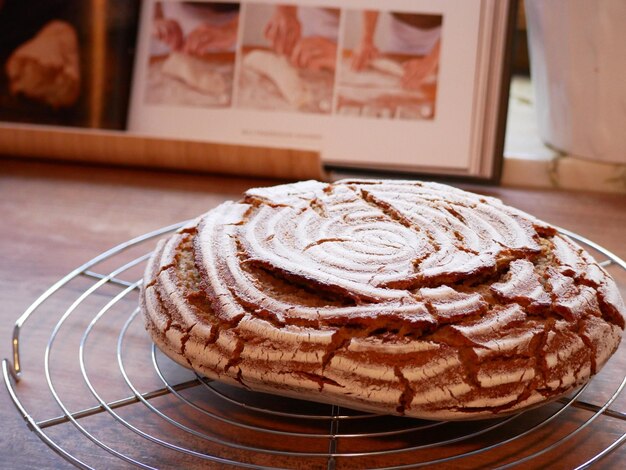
396, 297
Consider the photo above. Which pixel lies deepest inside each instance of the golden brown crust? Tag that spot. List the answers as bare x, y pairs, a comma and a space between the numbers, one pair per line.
396, 297
47, 67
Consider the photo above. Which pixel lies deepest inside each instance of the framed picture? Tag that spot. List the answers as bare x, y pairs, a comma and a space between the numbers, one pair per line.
415, 86
67, 62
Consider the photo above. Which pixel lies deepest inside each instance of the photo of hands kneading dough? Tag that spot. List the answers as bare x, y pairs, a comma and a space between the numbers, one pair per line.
389, 65
192, 54
289, 57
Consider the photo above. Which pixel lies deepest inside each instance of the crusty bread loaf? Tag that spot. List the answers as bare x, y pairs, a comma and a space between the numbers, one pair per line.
47, 67
396, 297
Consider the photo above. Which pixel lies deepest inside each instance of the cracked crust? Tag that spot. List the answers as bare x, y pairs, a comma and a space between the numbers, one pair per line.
395, 297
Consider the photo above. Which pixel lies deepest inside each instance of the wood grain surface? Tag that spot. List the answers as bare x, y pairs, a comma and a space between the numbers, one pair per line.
55, 217
121, 148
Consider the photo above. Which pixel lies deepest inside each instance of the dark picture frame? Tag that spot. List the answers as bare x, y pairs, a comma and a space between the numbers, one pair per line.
67, 62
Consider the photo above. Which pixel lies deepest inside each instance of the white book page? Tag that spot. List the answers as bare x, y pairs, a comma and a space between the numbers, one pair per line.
343, 118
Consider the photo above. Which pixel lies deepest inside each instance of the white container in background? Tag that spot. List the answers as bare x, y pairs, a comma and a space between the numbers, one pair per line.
578, 67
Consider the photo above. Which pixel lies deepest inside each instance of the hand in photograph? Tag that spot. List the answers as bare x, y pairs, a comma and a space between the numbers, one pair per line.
314, 53
366, 51
283, 30
167, 30
419, 69
208, 37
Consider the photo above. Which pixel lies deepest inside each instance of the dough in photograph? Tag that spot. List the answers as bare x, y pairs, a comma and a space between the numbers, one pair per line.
278, 69
197, 73
385, 65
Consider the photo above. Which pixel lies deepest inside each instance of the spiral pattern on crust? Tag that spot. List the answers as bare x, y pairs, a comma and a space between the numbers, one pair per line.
391, 296
370, 244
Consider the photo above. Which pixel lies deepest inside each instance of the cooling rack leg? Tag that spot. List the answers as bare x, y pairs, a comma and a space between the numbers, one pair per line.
9, 376
10, 371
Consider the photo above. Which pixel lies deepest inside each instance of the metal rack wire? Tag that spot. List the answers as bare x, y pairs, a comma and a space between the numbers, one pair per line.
179, 415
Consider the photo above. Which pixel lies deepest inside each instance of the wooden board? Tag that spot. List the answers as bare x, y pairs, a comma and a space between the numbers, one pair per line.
121, 148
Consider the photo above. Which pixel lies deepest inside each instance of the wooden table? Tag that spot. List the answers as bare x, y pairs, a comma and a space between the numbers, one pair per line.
54, 217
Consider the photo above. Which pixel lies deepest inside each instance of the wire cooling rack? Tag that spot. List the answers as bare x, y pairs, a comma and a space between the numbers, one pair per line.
90, 384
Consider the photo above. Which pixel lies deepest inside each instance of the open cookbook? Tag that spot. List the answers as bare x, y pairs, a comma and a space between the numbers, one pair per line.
408, 85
